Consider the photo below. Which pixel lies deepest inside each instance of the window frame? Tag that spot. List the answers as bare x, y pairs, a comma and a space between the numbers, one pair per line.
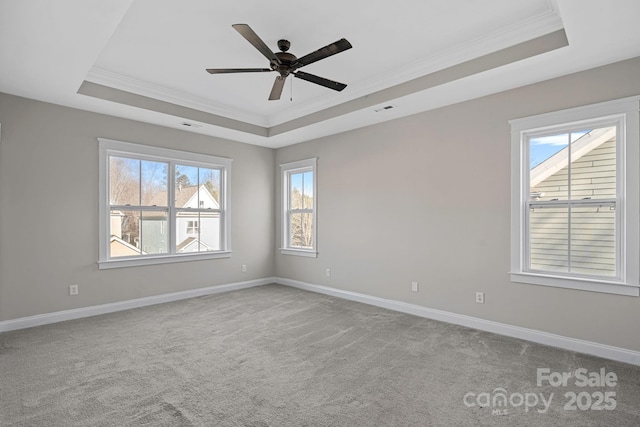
108, 148
572, 203
624, 114
286, 170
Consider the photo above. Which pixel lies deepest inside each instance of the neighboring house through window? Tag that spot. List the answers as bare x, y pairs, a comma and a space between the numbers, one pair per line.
299, 208
575, 198
159, 205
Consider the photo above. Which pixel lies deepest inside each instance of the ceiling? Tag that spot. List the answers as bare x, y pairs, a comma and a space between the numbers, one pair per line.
146, 59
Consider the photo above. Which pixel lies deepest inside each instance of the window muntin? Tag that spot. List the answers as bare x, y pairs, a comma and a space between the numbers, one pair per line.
572, 223
596, 223
161, 205
299, 207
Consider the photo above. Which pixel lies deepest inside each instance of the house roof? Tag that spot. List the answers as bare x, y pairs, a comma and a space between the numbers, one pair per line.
190, 242
119, 247
579, 148
184, 195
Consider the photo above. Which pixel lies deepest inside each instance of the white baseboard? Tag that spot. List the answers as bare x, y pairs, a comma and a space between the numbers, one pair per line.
77, 313
540, 337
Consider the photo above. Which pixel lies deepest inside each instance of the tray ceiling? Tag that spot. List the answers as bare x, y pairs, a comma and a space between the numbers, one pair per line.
146, 59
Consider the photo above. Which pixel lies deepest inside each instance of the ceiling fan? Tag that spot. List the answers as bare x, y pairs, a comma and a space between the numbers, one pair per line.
285, 63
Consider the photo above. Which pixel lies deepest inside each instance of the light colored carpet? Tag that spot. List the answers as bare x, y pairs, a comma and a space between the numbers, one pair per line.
277, 356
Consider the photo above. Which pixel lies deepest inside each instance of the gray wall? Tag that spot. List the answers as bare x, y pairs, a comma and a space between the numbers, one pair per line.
49, 211
426, 198
423, 198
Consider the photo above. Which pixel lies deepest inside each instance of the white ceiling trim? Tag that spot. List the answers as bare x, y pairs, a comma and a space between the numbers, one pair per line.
479, 65
76, 35
513, 34
163, 93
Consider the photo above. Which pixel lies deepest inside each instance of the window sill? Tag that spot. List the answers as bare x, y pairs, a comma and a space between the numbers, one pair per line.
151, 260
299, 252
592, 285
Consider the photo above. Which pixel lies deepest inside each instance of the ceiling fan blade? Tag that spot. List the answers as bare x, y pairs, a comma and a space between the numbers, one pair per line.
320, 81
331, 49
246, 32
236, 70
276, 91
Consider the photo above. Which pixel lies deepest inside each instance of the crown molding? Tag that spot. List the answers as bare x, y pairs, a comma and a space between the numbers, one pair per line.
162, 93
516, 33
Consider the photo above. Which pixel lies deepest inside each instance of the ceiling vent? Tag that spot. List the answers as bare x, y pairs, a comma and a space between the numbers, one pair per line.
191, 125
385, 108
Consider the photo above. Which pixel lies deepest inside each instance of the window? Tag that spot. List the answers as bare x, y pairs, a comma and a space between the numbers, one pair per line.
575, 198
299, 208
159, 205
192, 227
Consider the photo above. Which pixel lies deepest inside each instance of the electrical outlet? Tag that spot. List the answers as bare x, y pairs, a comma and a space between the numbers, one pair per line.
480, 297
414, 286
73, 289
244, 268
328, 272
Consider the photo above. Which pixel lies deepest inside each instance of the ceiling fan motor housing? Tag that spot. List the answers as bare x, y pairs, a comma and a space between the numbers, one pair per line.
285, 58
